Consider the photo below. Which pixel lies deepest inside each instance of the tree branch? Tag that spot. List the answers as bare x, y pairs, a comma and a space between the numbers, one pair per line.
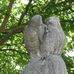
7, 15
24, 12
10, 33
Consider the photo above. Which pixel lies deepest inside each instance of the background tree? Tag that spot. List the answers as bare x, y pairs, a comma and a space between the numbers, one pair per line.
15, 14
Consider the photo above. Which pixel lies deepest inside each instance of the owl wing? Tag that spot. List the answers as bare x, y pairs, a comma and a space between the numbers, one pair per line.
31, 40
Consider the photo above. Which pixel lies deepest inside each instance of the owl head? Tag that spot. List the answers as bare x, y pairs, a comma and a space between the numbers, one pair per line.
53, 21
36, 20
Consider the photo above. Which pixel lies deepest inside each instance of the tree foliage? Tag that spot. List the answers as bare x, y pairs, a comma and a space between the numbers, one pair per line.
15, 15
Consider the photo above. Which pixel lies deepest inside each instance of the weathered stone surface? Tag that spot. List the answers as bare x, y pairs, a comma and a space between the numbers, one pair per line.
45, 43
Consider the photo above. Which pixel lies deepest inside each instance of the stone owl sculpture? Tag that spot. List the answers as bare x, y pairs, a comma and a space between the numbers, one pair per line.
34, 35
44, 43
54, 38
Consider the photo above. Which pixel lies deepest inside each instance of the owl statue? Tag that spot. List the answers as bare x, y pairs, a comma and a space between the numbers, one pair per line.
44, 43
54, 38
33, 35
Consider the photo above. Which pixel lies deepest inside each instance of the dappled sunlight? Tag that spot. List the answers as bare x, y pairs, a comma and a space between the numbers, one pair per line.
70, 53
24, 1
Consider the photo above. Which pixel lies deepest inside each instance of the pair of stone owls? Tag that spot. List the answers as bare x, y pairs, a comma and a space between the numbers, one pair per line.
43, 39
